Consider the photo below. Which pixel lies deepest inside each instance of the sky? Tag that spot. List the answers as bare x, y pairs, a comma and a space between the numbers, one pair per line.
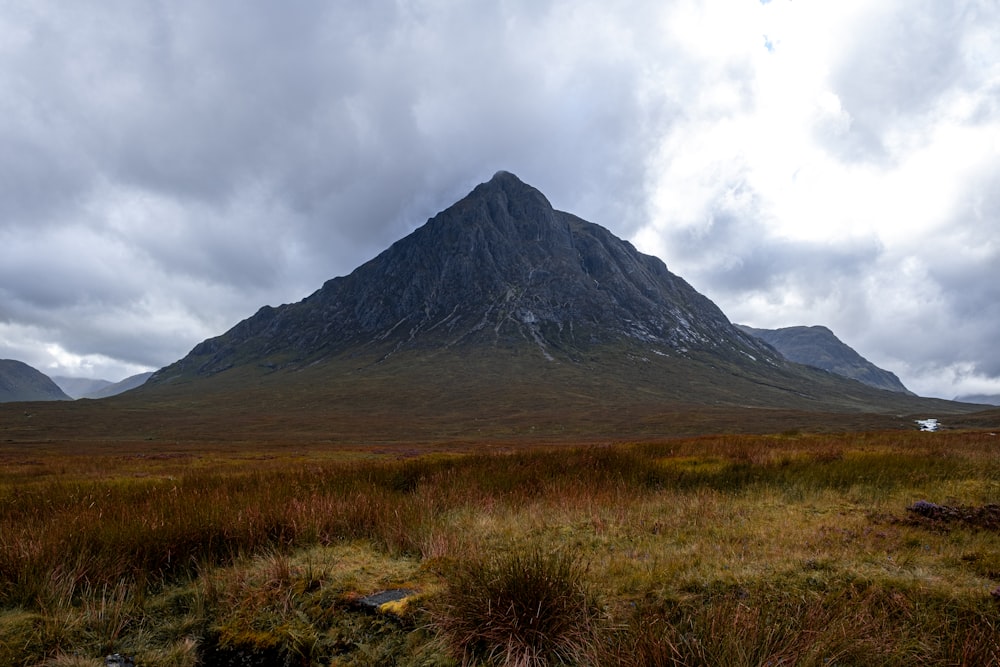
166, 168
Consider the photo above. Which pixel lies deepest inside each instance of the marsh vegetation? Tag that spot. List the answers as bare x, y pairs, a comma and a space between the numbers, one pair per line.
790, 549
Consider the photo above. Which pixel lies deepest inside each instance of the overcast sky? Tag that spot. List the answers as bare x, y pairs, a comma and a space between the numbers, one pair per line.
166, 168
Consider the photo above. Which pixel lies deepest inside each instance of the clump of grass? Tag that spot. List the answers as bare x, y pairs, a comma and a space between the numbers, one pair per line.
518, 609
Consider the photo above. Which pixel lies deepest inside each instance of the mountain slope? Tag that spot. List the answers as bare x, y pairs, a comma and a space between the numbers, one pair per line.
21, 382
115, 388
818, 346
500, 313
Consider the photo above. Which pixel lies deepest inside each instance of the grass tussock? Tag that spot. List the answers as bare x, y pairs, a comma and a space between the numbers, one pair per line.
788, 549
519, 608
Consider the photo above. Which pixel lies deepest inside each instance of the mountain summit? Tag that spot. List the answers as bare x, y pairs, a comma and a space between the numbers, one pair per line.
501, 307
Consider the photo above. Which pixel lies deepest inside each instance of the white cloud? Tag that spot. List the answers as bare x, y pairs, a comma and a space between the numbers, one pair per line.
838, 192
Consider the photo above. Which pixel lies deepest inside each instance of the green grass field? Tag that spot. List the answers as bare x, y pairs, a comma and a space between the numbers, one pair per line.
790, 549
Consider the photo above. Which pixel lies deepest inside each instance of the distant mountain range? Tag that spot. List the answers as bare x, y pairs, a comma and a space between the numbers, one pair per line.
503, 310
21, 382
94, 388
818, 346
121, 386
983, 399
79, 387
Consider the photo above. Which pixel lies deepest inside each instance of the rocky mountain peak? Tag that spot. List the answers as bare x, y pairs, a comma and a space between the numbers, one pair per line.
499, 268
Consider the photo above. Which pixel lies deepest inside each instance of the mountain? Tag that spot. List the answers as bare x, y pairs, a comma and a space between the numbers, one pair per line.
982, 399
113, 389
818, 346
93, 388
80, 387
21, 382
501, 314
500, 269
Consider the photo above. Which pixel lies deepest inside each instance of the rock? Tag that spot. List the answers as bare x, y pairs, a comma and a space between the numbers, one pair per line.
391, 601
924, 508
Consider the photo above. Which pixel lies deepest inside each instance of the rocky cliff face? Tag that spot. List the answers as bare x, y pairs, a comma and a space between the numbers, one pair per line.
499, 268
817, 346
21, 382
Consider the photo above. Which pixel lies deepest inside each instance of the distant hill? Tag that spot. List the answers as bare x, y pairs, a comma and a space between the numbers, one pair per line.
817, 346
94, 388
120, 387
21, 382
984, 399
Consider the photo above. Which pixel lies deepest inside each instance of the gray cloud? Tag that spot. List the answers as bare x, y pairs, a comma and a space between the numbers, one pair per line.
734, 254
964, 270
900, 64
196, 160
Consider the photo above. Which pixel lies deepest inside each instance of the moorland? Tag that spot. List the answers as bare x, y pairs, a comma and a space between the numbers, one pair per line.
794, 548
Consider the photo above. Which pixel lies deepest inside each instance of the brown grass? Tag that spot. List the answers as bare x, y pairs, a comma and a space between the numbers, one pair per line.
523, 609
733, 549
